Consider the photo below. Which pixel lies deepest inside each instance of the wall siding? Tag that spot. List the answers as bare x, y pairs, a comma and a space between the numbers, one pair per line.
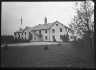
57, 31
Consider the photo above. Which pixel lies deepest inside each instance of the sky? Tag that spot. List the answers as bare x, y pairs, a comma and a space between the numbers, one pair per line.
33, 13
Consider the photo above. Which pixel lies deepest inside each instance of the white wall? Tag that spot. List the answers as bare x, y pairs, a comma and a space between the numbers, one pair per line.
57, 31
27, 34
16, 36
42, 32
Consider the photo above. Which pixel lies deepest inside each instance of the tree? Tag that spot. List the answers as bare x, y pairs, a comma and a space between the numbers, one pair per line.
67, 37
30, 37
82, 22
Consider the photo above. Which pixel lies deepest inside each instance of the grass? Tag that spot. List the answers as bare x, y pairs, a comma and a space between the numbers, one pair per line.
57, 56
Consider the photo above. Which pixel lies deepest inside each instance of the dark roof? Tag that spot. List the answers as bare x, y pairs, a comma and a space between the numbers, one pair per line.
19, 31
42, 26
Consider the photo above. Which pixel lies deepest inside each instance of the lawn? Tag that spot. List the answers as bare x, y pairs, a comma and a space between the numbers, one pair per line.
65, 55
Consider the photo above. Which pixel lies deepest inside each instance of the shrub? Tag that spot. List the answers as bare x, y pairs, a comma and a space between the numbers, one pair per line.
80, 43
65, 38
6, 47
59, 44
46, 47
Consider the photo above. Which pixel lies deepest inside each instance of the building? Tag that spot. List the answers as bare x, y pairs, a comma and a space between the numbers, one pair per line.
45, 32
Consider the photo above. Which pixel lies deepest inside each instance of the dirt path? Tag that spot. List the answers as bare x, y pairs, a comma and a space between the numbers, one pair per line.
32, 43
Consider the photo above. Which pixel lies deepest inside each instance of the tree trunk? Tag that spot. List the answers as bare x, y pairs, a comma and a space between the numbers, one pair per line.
89, 35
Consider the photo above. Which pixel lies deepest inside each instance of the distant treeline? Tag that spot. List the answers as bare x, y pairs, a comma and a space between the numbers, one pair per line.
5, 39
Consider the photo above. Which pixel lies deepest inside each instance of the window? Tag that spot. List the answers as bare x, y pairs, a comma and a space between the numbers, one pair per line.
56, 24
25, 33
60, 36
39, 31
45, 37
15, 34
22, 37
25, 37
60, 29
45, 31
29, 33
22, 33
53, 30
34, 31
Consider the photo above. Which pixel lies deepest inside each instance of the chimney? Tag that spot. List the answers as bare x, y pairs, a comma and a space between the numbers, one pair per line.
20, 28
45, 20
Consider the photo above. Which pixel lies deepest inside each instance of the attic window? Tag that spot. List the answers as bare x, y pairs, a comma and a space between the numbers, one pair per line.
56, 24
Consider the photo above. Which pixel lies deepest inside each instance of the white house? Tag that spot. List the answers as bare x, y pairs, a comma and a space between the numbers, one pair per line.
45, 32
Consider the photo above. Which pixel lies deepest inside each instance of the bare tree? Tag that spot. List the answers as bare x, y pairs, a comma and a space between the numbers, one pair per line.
82, 22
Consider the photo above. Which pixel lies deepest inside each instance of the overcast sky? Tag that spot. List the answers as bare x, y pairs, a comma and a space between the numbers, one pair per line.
33, 13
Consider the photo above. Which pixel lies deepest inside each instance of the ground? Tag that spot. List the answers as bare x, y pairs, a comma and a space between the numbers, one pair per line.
65, 55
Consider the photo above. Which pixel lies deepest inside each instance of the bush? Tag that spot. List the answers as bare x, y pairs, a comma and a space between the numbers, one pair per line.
6, 47
65, 38
59, 44
46, 48
81, 43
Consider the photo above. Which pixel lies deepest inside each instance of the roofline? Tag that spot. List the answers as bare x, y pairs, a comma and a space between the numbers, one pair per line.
18, 32
43, 29
40, 29
26, 27
61, 24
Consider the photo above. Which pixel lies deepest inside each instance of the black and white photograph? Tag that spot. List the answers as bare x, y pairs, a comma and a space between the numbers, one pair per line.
47, 34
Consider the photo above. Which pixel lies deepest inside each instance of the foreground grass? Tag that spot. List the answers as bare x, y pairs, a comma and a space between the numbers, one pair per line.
57, 56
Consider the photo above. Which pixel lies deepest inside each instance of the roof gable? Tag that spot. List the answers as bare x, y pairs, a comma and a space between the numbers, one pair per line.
63, 25
27, 27
59, 23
